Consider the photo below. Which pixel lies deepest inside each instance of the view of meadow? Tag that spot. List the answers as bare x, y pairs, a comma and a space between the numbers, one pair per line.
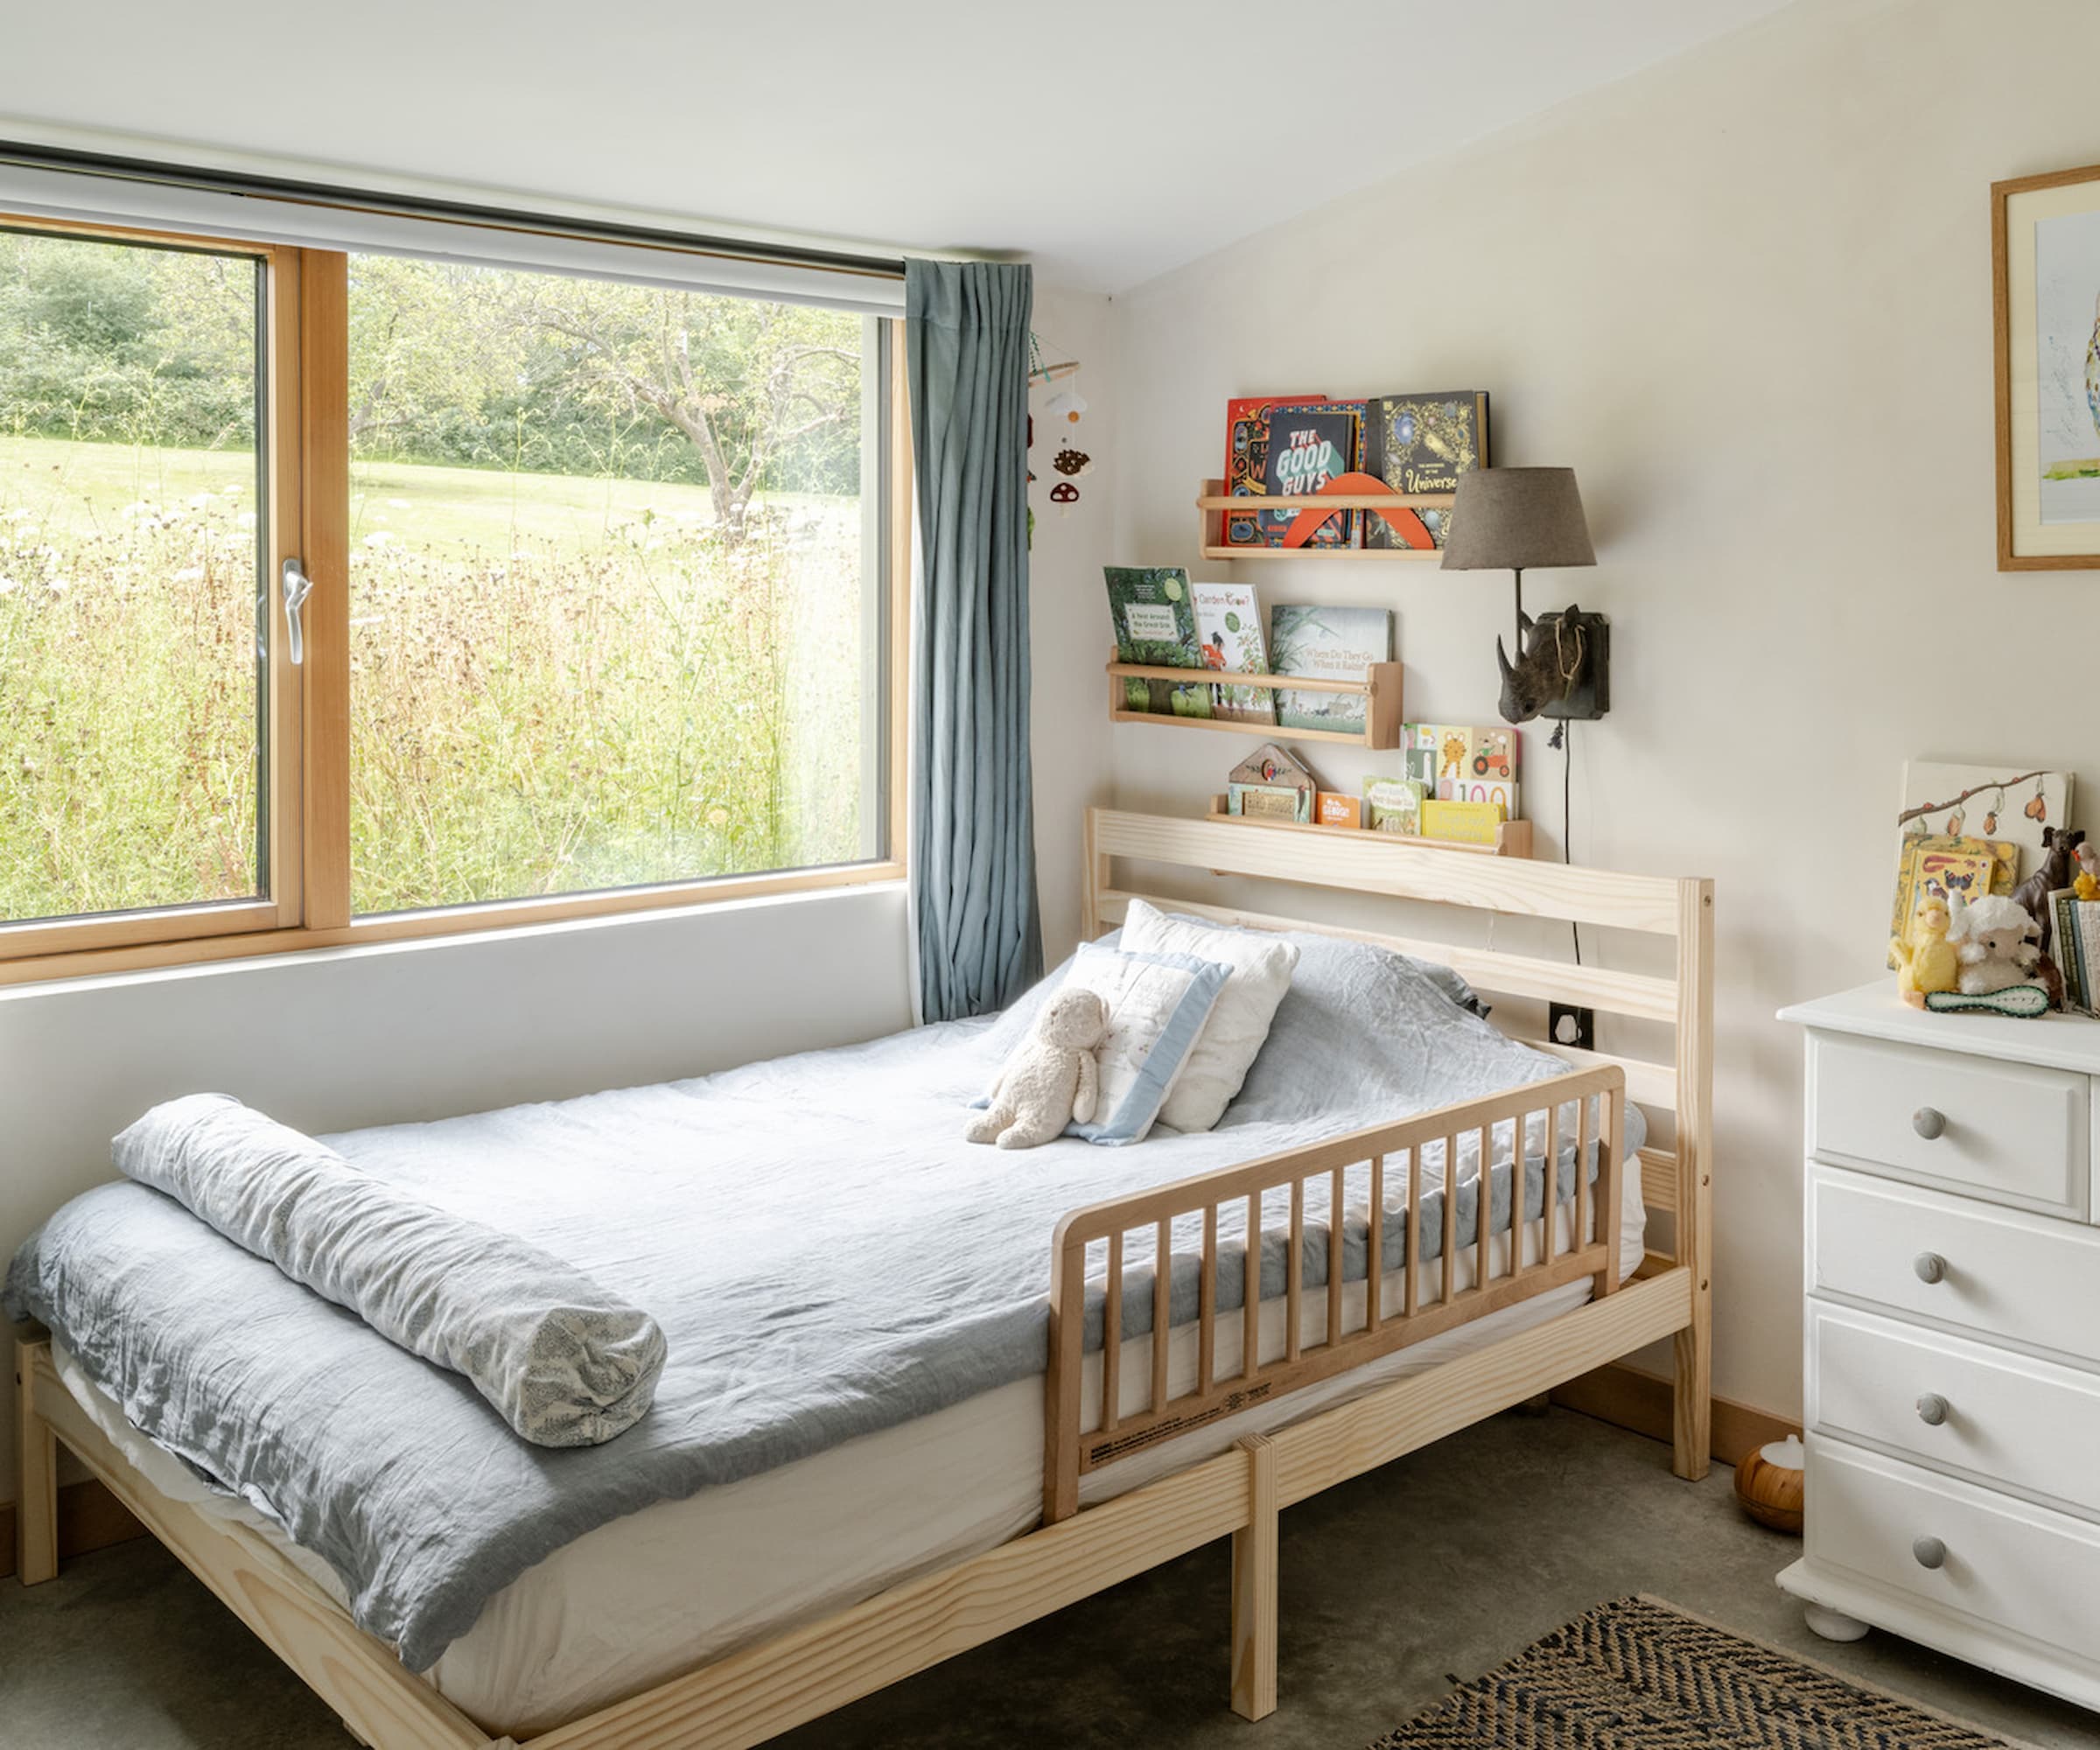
606, 587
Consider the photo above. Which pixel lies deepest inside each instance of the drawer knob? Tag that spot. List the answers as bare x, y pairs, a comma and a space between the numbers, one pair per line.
1932, 1410
1930, 1552
1929, 1122
1931, 1267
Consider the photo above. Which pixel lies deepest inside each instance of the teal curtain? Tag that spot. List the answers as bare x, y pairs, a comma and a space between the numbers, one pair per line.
973, 833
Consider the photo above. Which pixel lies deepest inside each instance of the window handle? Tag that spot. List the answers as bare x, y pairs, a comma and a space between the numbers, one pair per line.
296, 587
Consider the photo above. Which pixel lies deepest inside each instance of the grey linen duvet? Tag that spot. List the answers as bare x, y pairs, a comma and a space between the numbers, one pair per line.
825, 1253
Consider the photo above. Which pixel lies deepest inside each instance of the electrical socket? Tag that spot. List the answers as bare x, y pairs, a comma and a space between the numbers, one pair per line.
1567, 1025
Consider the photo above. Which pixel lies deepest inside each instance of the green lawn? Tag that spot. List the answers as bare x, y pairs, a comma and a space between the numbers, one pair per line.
78, 485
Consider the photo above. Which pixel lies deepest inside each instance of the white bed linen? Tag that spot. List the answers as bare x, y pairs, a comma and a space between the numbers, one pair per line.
649, 1596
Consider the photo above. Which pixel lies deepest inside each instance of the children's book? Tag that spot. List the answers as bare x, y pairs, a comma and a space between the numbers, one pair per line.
1335, 643
2006, 803
1229, 623
1418, 753
1491, 753
1422, 444
2074, 947
1442, 751
1461, 822
1335, 810
1155, 624
1941, 865
1246, 457
1394, 805
1310, 442
1500, 791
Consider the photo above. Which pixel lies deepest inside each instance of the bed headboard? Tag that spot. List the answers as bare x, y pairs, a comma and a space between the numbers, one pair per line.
1677, 1178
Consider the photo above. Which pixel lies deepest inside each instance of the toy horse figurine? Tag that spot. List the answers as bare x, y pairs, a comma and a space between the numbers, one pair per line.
2053, 872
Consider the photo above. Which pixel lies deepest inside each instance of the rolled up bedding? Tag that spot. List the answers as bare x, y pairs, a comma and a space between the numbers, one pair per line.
564, 1362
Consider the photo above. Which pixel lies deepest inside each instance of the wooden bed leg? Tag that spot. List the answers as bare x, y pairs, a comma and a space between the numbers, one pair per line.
37, 1513
1254, 1587
1693, 1422
1693, 1395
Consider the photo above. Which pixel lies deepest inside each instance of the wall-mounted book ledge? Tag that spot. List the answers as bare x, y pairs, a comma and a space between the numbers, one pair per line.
1214, 503
1513, 838
1380, 689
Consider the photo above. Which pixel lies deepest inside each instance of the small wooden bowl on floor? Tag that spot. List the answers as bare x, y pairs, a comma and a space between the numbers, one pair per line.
1771, 1492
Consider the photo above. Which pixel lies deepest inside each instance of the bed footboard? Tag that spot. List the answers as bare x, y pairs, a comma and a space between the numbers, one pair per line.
1341, 1175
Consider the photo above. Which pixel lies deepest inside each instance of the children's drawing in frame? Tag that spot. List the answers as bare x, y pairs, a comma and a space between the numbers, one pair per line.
2044, 236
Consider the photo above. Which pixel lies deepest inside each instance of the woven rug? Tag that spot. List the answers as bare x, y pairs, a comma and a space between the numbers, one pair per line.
1640, 1675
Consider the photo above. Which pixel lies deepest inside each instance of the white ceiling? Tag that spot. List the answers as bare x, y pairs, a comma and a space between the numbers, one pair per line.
1110, 140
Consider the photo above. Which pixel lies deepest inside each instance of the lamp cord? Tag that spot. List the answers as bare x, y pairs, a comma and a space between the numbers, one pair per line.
1563, 738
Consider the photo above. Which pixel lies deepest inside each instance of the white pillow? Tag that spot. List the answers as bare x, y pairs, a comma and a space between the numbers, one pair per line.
1239, 1023
1158, 1004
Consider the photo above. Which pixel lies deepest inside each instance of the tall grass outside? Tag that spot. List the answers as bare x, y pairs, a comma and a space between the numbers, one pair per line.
576, 661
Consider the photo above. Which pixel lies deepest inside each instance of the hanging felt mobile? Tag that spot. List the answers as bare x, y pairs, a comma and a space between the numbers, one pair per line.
1071, 462
1065, 407
1064, 493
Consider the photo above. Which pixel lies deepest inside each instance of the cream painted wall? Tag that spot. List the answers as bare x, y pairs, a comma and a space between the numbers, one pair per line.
1068, 616
1747, 294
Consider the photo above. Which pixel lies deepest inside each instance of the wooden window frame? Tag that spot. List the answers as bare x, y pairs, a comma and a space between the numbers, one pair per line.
307, 762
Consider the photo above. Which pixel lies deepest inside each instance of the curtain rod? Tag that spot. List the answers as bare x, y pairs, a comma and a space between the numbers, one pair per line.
416, 207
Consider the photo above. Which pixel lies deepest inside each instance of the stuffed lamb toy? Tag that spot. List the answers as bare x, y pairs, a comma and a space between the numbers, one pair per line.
1994, 943
1052, 1079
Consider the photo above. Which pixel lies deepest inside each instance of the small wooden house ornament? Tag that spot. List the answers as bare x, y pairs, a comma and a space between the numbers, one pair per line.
1272, 784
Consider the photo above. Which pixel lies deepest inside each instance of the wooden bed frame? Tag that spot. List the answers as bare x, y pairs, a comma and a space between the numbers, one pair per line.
764, 1689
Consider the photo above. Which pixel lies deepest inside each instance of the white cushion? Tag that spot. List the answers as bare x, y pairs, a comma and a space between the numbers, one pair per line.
1239, 1022
1158, 1004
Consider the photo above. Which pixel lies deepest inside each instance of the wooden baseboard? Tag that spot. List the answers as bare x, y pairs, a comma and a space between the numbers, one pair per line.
1627, 1397
89, 1518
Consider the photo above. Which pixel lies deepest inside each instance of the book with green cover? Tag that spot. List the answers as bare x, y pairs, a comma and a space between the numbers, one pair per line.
1155, 620
1336, 644
1394, 805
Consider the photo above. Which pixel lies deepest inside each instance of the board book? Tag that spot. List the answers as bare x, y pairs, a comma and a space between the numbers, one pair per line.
1335, 644
1155, 624
1394, 805
1310, 442
1940, 866
1229, 623
1247, 455
1422, 444
1462, 822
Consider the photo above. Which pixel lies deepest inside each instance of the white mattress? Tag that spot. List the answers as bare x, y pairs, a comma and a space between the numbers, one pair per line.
647, 1597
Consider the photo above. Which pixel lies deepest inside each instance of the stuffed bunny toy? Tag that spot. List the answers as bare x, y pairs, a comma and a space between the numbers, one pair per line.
1052, 1080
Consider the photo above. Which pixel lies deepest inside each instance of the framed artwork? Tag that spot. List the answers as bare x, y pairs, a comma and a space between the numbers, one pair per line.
2045, 239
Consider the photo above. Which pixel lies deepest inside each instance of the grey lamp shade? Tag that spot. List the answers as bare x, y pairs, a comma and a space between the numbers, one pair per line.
1513, 518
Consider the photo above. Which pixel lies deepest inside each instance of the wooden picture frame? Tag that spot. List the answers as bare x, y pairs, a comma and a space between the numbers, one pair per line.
2045, 296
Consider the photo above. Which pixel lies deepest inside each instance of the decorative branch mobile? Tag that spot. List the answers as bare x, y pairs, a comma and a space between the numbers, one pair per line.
1063, 411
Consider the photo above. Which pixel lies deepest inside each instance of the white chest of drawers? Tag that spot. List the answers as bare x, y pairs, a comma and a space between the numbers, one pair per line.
1953, 1335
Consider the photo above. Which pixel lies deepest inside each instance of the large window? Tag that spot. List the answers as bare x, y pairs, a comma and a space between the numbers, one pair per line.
600, 609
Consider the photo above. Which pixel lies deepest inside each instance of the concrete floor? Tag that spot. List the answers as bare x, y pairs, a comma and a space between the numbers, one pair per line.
1396, 1586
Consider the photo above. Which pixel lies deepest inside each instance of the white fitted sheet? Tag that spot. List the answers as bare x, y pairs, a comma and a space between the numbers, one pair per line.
649, 1596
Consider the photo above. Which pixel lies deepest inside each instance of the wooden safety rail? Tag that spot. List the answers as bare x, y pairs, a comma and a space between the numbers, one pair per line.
1593, 1102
